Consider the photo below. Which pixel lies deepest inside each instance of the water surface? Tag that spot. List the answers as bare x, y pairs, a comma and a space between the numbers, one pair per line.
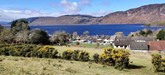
97, 29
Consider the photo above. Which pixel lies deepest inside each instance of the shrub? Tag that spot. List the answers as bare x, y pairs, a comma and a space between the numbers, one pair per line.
106, 57
163, 64
115, 57
29, 51
4, 51
121, 58
67, 54
75, 55
48, 52
96, 57
84, 56
156, 62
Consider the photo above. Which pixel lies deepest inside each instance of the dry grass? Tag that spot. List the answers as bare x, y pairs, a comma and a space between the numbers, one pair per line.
141, 65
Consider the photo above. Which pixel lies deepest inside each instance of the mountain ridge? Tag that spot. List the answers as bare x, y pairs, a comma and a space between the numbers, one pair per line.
141, 15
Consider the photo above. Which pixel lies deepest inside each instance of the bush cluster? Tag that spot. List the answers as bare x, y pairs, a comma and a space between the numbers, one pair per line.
48, 52
158, 62
75, 55
84, 56
67, 54
96, 57
145, 33
29, 51
163, 64
118, 58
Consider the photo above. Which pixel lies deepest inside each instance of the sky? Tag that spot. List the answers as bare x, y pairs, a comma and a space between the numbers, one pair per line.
15, 9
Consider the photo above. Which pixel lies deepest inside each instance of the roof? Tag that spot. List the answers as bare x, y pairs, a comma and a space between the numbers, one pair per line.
156, 45
122, 38
113, 37
138, 46
143, 38
122, 43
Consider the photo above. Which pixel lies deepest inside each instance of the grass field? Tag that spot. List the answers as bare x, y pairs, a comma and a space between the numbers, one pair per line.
9, 65
93, 45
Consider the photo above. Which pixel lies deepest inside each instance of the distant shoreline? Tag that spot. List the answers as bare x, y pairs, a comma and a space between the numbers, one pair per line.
92, 25
83, 24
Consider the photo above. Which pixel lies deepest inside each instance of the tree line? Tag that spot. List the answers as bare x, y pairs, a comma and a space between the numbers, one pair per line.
20, 33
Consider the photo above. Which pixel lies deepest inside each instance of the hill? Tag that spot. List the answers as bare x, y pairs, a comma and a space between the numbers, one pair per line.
65, 20
141, 15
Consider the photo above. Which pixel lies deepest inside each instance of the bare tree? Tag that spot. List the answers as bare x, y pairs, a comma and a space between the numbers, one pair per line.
22, 37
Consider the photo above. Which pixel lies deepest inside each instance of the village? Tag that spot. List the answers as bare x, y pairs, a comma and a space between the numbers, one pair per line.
120, 41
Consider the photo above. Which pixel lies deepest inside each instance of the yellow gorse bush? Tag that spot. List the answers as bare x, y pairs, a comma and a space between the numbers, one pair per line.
29, 50
70, 51
115, 57
46, 48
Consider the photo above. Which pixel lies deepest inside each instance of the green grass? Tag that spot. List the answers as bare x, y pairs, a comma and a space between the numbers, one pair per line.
93, 45
9, 65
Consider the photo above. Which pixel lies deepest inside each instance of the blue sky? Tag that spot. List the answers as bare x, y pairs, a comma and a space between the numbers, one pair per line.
14, 9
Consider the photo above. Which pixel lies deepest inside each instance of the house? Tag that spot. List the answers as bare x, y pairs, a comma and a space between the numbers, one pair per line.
124, 44
156, 45
139, 46
106, 42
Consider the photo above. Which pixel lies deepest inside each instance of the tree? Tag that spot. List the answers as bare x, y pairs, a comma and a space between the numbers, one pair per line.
22, 37
145, 32
19, 25
142, 33
38, 36
60, 38
161, 35
148, 32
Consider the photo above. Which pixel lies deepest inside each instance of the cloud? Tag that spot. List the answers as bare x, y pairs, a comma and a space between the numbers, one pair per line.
70, 7
12, 14
65, 7
11, 11
77, 7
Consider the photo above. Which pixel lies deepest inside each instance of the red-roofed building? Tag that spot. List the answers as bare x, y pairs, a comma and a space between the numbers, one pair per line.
156, 45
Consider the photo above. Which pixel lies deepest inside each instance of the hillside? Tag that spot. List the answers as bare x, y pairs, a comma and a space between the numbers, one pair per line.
141, 65
141, 15
66, 19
